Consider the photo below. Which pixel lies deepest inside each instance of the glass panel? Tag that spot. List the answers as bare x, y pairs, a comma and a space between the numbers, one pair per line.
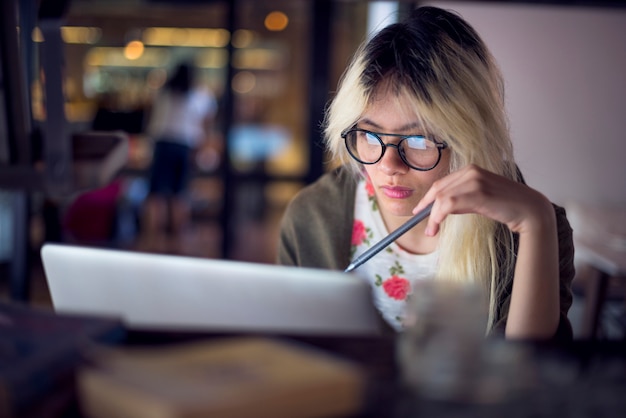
118, 55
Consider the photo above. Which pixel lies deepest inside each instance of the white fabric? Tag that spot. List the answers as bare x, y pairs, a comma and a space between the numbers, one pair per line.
392, 271
181, 118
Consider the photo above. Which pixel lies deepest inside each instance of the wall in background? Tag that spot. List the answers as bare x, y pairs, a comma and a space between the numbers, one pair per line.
565, 73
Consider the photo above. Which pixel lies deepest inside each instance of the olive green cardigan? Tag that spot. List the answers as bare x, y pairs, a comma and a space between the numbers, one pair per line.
316, 231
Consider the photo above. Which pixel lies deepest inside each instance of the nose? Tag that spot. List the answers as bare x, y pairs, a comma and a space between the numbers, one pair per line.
391, 163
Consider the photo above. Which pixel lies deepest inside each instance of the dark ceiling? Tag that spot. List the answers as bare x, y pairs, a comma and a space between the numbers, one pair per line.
586, 3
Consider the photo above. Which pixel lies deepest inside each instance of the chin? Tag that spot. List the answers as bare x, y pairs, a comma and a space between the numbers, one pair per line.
398, 209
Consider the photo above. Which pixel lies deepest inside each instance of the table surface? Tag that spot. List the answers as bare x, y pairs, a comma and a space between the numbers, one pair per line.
602, 255
600, 236
600, 243
577, 379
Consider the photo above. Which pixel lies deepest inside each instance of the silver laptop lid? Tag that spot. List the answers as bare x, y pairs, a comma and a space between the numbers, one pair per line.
150, 291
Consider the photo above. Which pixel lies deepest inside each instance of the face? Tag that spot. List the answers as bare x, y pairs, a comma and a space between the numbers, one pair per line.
398, 188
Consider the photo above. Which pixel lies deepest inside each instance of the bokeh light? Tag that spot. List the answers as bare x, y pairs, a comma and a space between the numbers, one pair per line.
133, 50
276, 21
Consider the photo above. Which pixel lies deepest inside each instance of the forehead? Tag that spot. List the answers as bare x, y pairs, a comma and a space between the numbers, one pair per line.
391, 111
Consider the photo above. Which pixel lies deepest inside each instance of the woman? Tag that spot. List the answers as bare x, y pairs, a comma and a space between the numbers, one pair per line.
180, 120
418, 118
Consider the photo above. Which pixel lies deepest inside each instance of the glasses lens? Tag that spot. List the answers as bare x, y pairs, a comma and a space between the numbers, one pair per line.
364, 146
419, 152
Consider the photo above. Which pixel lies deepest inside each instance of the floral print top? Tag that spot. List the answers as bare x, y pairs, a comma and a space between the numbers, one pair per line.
392, 271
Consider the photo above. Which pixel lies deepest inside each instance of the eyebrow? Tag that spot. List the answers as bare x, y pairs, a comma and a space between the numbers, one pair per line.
406, 127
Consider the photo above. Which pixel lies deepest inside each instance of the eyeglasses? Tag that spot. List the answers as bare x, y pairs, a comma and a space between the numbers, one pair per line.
417, 151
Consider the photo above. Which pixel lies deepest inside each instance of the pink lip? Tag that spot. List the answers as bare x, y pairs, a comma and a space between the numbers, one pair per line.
397, 192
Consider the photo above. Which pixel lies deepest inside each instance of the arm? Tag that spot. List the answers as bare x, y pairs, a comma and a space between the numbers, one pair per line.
533, 308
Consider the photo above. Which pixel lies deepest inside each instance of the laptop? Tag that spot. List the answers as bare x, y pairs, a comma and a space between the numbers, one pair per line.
168, 292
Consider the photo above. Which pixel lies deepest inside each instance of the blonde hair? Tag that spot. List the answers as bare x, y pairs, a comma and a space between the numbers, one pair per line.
439, 63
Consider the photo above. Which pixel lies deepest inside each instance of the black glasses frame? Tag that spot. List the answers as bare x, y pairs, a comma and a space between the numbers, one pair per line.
439, 145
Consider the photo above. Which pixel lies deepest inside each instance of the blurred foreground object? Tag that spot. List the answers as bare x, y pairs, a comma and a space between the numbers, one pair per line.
232, 377
39, 353
444, 353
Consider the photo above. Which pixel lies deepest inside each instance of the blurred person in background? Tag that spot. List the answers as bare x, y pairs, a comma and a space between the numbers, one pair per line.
419, 118
180, 120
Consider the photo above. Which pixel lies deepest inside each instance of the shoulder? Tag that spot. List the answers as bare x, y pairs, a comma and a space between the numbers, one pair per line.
317, 224
335, 186
334, 181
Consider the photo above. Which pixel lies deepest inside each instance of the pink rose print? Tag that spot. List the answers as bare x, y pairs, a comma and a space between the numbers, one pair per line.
369, 188
397, 287
359, 234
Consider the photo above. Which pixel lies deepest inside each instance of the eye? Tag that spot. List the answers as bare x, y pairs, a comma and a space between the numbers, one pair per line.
371, 138
416, 142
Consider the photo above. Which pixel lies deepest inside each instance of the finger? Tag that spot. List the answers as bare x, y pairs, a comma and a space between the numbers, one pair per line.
444, 206
456, 193
431, 196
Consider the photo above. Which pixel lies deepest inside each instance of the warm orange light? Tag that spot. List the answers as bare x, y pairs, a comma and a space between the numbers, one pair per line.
133, 50
192, 37
73, 34
36, 35
116, 57
276, 21
80, 34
